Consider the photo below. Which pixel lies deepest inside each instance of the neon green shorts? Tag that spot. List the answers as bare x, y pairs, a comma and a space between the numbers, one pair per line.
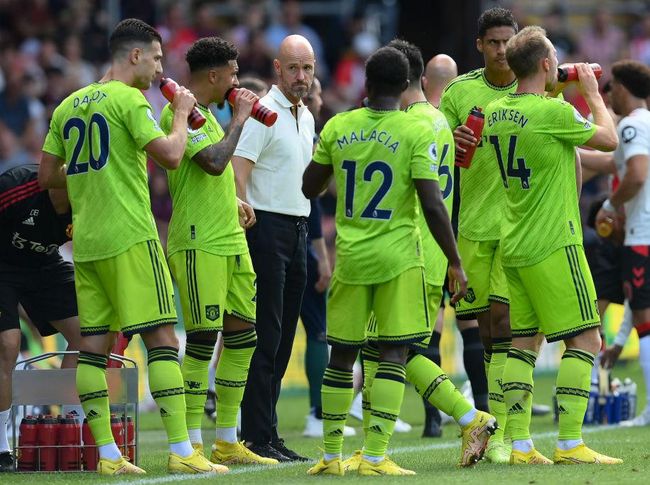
555, 296
485, 276
399, 306
131, 292
210, 285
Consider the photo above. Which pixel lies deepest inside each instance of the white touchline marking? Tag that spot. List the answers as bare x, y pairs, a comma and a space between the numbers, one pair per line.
261, 468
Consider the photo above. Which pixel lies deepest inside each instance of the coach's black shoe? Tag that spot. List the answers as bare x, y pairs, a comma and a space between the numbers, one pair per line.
6, 462
432, 427
278, 444
210, 407
268, 451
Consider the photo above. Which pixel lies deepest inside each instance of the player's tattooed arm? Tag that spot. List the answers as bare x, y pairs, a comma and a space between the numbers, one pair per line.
214, 158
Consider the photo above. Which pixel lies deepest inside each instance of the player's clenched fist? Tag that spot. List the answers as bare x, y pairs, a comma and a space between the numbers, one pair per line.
184, 100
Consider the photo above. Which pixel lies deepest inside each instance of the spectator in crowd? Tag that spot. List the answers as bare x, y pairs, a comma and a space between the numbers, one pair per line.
268, 165
603, 42
349, 76
558, 33
12, 153
291, 23
640, 42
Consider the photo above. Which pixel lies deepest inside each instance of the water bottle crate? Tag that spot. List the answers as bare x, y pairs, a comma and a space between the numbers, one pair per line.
46, 443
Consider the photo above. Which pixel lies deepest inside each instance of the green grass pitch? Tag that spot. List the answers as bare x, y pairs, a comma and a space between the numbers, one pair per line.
433, 459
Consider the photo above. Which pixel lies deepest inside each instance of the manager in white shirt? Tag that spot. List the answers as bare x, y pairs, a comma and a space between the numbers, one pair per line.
269, 163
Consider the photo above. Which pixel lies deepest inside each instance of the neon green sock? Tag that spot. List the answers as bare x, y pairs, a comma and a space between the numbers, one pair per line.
518, 392
195, 377
433, 385
232, 373
386, 396
572, 389
336, 393
93, 394
370, 361
500, 348
166, 385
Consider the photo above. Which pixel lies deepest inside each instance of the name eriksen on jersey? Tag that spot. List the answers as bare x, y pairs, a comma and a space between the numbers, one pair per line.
507, 115
96, 97
380, 137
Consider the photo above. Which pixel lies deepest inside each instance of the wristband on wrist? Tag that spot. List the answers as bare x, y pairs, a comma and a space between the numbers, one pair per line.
607, 205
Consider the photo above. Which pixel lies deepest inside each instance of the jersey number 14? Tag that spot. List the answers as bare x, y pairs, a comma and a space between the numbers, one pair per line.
520, 171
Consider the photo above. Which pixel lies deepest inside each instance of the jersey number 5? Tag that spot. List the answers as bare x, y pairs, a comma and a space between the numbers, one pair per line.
97, 150
371, 211
521, 171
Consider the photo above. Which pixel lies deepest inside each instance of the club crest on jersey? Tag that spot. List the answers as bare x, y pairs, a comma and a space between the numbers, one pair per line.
628, 134
470, 297
581, 119
212, 312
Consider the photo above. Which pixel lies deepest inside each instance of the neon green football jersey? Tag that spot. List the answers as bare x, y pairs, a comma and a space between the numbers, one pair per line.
205, 214
375, 155
481, 194
435, 261
533, 139
100, 131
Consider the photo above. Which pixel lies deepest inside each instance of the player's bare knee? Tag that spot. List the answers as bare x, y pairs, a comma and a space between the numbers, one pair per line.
393, 353
162, 336
343, 357
589, 341
232, 323
203, 338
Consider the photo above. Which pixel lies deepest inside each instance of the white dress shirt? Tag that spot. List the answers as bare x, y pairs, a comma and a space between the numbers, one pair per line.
280, 154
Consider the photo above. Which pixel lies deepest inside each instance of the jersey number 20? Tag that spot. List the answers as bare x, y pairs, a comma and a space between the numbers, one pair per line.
97, 126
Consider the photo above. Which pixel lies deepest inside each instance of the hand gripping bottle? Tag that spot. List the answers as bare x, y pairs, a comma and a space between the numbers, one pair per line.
567, 74
48, 438
91, 455
27, 444
168, 87
475, 122
260, 112
69, 444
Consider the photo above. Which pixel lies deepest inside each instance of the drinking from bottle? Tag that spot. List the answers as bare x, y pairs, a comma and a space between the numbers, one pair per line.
168, 87
566, 74
260, 112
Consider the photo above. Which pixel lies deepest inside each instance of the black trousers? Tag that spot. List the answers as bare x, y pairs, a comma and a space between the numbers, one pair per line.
278, 245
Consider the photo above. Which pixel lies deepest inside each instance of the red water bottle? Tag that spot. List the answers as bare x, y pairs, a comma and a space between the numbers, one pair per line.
69, 444
475, 122
27, 444
567, 74
117, 427
168, 87
260, 112
48, 438
130, 438
90, 454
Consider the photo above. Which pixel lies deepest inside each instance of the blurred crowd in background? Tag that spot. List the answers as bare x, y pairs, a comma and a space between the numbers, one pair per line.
49, 48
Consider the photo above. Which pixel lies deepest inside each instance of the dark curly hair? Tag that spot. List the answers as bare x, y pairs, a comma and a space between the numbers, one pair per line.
387, 71
129, 32
634, 75
210, 52
496, 17
413, 55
